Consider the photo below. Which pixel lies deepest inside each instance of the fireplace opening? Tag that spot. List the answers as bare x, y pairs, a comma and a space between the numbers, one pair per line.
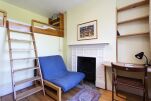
87, 65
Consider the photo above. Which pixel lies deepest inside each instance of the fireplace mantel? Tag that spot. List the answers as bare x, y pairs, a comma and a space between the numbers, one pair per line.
81, 44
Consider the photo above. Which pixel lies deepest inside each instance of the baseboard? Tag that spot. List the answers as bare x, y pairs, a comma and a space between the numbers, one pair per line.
100, 84
7, 88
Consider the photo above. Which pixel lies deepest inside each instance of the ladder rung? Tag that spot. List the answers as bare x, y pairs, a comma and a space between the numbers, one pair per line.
20, 32
22, 49
23, 59
18, 40
27, 80
17, 70
28, 93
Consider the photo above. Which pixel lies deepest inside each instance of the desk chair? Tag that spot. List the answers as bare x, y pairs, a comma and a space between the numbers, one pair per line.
118, 80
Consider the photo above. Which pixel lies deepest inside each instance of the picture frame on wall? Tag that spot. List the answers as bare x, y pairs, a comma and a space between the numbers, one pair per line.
87, 30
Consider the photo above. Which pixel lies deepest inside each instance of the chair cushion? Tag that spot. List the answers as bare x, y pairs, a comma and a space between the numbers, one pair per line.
69, 80
54, 70
52, 67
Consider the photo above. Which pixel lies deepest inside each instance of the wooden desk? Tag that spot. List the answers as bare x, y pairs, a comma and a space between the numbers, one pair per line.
108, 64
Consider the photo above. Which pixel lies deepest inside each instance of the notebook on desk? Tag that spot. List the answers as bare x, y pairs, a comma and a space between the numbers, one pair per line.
129, 65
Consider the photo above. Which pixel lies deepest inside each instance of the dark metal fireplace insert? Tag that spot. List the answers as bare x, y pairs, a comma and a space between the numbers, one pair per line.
87, 65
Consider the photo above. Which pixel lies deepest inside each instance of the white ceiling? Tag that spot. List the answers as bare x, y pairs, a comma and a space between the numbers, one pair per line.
46, 7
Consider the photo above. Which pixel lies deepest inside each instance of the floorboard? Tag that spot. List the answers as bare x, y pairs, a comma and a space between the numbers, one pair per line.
105, 96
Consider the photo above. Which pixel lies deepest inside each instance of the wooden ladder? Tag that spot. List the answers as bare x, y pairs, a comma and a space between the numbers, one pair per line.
37, 79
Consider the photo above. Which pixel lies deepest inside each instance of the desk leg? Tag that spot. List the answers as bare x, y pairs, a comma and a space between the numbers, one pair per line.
105, 77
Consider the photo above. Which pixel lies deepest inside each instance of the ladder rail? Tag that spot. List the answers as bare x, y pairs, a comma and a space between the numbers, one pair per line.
4, 17
36, 54
11, 62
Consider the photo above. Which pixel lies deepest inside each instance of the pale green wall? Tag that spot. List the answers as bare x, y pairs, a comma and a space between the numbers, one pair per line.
20, 14
104, 11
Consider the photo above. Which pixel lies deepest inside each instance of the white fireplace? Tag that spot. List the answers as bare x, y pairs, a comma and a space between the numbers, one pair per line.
95, 50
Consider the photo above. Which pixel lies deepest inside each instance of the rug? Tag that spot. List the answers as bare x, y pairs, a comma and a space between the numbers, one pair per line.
86, 94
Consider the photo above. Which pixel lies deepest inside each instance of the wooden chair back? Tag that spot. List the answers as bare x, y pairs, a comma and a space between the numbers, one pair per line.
128, 81
136, 68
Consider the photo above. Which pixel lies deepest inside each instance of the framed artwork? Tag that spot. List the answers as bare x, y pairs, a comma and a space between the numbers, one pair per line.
87, 31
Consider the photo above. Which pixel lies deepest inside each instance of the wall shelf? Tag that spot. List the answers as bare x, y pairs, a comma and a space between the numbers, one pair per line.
134, 34
137, 4
134, 19
58, 22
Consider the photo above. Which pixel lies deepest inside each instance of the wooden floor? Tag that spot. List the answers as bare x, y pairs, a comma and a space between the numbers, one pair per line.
105, 96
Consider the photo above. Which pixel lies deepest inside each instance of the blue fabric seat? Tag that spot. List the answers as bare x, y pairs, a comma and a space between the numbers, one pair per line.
54, 70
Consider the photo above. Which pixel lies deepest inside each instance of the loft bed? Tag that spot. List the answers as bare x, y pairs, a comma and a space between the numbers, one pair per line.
47, 29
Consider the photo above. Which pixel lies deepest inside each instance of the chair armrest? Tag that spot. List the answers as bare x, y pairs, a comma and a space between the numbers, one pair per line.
49, 84
53, 86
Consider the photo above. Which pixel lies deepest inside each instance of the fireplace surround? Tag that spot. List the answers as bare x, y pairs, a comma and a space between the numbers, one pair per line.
94, 51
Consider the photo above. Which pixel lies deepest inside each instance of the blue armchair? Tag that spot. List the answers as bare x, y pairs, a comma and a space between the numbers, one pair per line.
54, 71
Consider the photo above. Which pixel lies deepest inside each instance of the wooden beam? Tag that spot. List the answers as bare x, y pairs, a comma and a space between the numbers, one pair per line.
46, 31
